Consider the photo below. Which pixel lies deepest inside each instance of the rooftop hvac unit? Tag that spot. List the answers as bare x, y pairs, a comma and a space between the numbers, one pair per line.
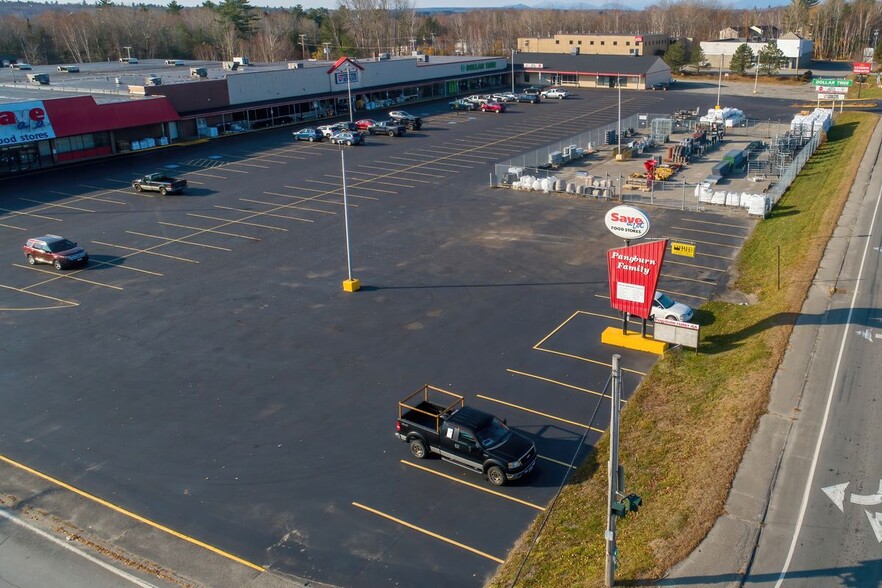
241, 60
198, 72
295, 65
152, 81
383, 57
231, 65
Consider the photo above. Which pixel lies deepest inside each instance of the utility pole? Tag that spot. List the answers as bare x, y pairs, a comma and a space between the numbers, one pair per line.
327, 51
303, 44
412, 46
613, 472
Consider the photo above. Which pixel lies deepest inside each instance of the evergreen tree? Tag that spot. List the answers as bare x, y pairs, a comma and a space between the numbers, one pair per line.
770, 59
698, 59
239, 14
675, 57
174, 7
741, 59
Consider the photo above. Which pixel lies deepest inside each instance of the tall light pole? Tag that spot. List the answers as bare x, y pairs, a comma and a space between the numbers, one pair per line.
613, 471
512, 71
349, 284
756, 78
349, 93
619, 131
720, 83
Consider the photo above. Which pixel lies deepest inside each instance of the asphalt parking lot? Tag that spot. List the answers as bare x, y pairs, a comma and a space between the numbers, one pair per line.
207, 372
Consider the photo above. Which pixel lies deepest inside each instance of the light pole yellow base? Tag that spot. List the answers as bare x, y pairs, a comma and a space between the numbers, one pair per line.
352, 285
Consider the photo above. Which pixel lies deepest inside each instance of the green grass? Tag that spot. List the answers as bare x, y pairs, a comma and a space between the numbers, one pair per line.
685, 429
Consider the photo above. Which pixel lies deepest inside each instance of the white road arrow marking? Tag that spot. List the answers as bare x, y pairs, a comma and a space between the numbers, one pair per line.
876, 523
866, 334
837, 494
869, 499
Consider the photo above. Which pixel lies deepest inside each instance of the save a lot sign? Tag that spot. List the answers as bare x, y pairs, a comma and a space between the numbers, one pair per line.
23, 122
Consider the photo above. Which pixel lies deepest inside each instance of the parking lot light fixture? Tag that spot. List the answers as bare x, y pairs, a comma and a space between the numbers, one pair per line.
350, 284
349, 93
512, 70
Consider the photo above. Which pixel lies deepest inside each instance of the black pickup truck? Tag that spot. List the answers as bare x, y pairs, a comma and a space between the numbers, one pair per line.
387, 127
432, 420
159, 183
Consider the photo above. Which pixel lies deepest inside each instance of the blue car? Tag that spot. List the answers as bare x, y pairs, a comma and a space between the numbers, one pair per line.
308, 134
347, 138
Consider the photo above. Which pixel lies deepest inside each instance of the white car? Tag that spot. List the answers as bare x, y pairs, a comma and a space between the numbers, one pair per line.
665, 308
505, 97
558, 93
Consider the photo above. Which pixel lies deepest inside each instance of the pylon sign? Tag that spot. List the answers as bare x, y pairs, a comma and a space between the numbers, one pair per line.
633, 276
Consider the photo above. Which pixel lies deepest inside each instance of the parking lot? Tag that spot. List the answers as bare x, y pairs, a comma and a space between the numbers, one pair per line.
207, 373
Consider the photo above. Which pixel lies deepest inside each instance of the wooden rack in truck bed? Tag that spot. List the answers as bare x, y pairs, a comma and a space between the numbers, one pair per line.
432, 420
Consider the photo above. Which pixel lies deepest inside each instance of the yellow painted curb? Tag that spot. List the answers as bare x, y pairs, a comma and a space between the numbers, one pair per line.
632, 340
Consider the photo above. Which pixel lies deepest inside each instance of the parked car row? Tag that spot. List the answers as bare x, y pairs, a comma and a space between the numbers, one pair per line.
353, 133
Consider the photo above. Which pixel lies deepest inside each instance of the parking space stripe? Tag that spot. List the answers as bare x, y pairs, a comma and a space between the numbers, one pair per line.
385, 177
694, 230
126, 267
550, 381
129, 513
427, 532
120, 191
180, 240
196, 173
475, 486
436, 162
386, 182
566, 465
316, 198
699, 280
738, 246
292, 206
587, 360
247, 164
695, 265
84, 197
56, 204
340, 190
225, 233
56, 276
147, 251
271, 214
543, 414
12, 227
410, 171
20, 213
69, 303
242, 222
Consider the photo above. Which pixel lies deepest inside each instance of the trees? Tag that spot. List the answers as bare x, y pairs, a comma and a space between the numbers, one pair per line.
770, 59
698, 59
741, 59
675, 56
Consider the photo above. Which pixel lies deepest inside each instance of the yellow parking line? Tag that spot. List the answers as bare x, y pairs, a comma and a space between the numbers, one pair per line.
19, 213
292, 206
272, 214
316, 198
694, 230
714, 244
475, 486
556, 329
710, 269
181, 240
84, 197
715, 223
59, 276
134, 269
549, 380
147, 251
51, 204
699, 280
546, 415
227, 221
586, 360
337, 192
407, 171
37, 294
130, 514
225, 233
12, 227
427, 532
361, 183
566, 465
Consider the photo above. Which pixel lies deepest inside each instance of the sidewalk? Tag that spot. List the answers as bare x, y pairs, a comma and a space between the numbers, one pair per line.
726, 552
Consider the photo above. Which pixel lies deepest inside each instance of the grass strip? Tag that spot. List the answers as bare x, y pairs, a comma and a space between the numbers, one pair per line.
685, 429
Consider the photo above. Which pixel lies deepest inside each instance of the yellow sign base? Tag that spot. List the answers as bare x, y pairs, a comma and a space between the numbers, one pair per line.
352, 285
632, 340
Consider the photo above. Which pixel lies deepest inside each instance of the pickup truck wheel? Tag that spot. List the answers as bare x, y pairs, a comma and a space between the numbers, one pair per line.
496, 476
418, 449
163, 191
391, 133
31, 259
138, 187
57, 264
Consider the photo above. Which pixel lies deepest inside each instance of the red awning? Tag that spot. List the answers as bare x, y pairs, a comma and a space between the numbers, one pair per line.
82, 115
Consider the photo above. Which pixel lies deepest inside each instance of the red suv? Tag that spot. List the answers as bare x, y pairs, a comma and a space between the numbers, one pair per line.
56, 250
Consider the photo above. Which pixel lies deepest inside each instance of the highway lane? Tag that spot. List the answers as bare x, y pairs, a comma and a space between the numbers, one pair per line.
824, 524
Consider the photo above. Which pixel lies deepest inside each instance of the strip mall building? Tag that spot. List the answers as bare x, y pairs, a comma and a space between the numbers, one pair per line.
105, 109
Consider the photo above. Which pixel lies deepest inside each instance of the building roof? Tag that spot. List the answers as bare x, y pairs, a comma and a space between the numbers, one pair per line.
604, 64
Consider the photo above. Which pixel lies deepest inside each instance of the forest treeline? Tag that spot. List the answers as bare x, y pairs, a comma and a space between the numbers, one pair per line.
102, 31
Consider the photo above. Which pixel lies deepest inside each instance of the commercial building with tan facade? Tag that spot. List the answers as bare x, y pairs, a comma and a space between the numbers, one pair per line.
597, 44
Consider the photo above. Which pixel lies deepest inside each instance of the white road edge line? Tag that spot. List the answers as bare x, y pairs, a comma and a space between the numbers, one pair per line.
845, 333
136, 581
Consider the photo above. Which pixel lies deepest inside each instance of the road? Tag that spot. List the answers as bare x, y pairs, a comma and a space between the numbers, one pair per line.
806, 506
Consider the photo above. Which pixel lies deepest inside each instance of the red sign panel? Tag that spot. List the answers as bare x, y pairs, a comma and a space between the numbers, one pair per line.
862, 68
633, 276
